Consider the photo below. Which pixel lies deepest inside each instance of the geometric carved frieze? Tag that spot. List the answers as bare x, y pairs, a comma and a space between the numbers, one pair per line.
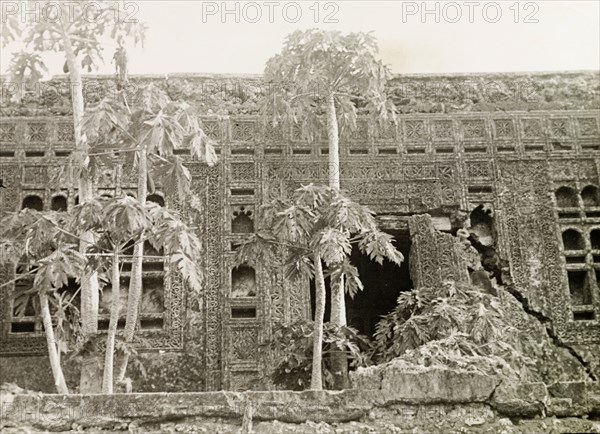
8, 133
243, 131
504, 128
242, 172
65, 132
532, 128
37, 132
588, 127
415, 131
479, 169
243, 344
212, 129
35, 175
474, 129
443, 130
559, 127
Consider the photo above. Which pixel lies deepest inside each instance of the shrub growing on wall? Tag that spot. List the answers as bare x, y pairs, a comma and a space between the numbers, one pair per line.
454, 325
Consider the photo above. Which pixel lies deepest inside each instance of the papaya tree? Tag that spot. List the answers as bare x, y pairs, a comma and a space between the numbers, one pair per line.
52, 254
317, 228
145, 132
78, 30
322, 79
119, 222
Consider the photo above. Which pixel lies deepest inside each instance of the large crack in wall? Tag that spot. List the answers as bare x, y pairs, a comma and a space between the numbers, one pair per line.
482, 237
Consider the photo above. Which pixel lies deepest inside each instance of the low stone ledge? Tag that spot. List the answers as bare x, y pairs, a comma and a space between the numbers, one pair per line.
57, 412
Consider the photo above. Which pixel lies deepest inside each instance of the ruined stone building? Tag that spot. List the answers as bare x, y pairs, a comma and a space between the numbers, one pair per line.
512, 159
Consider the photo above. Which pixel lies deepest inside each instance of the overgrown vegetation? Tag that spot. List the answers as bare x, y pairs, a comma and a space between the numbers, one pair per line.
292, 347
310, 236
458, 326
52, 255
454, 325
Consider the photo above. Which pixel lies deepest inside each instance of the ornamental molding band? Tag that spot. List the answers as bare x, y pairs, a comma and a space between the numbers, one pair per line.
432, 163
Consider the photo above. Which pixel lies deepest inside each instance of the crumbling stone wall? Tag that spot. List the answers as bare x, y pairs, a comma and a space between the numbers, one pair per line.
390, 400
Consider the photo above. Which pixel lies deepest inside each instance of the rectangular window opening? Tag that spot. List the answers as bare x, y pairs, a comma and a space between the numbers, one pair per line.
22, 327
273, 151
387, 151
475, 150
301, 151
151, 323
62, 153
151, 266
243, 312
181, 151
360, 151
7, 154
568, 215
506, 149
242, 191
242, 152
34, 153
584, 316
534, 148
444, 150
590, 147
104, 323
478, 189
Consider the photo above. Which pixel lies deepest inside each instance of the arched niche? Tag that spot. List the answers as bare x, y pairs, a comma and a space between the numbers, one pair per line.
59, 203
33, 201
482, 225
242, 222
572, 240
243, 282
156, 198
566, 197
590, 195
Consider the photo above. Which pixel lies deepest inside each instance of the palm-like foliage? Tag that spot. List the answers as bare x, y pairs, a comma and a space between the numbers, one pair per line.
146, 132
315, 65
311, 236
67, 27
323, 78
456, 325
51, 242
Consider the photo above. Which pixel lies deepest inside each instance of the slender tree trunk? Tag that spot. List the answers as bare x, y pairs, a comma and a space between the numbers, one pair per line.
339, 362
334, 148
135, 285
89, 382
57, 373
115, 308
316, 382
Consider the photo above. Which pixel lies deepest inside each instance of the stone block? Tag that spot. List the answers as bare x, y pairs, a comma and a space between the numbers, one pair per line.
399, 382
520, 400
575, 391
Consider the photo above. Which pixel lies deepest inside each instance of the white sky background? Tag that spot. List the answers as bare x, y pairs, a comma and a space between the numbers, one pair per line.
181, 39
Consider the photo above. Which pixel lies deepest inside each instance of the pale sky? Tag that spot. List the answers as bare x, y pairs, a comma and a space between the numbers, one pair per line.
195, 36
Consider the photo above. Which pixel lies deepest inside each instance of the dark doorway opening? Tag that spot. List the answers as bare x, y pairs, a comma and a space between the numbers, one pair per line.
382, 286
